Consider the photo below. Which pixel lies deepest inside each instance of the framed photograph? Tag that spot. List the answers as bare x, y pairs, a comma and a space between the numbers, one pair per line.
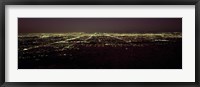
60, 43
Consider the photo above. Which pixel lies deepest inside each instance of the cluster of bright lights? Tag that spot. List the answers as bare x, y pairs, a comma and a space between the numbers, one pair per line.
73, 41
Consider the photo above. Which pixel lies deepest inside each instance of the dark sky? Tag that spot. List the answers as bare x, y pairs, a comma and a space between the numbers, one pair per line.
114, 25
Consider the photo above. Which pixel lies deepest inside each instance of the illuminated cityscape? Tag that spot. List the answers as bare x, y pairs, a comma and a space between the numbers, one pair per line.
100, 43
80, 50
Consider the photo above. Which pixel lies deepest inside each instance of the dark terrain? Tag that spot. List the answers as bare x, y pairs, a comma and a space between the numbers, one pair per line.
100, 51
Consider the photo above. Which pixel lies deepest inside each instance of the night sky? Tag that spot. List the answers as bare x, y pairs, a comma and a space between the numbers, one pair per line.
110, 25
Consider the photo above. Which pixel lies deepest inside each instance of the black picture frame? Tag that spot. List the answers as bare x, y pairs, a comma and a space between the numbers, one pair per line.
99, 2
